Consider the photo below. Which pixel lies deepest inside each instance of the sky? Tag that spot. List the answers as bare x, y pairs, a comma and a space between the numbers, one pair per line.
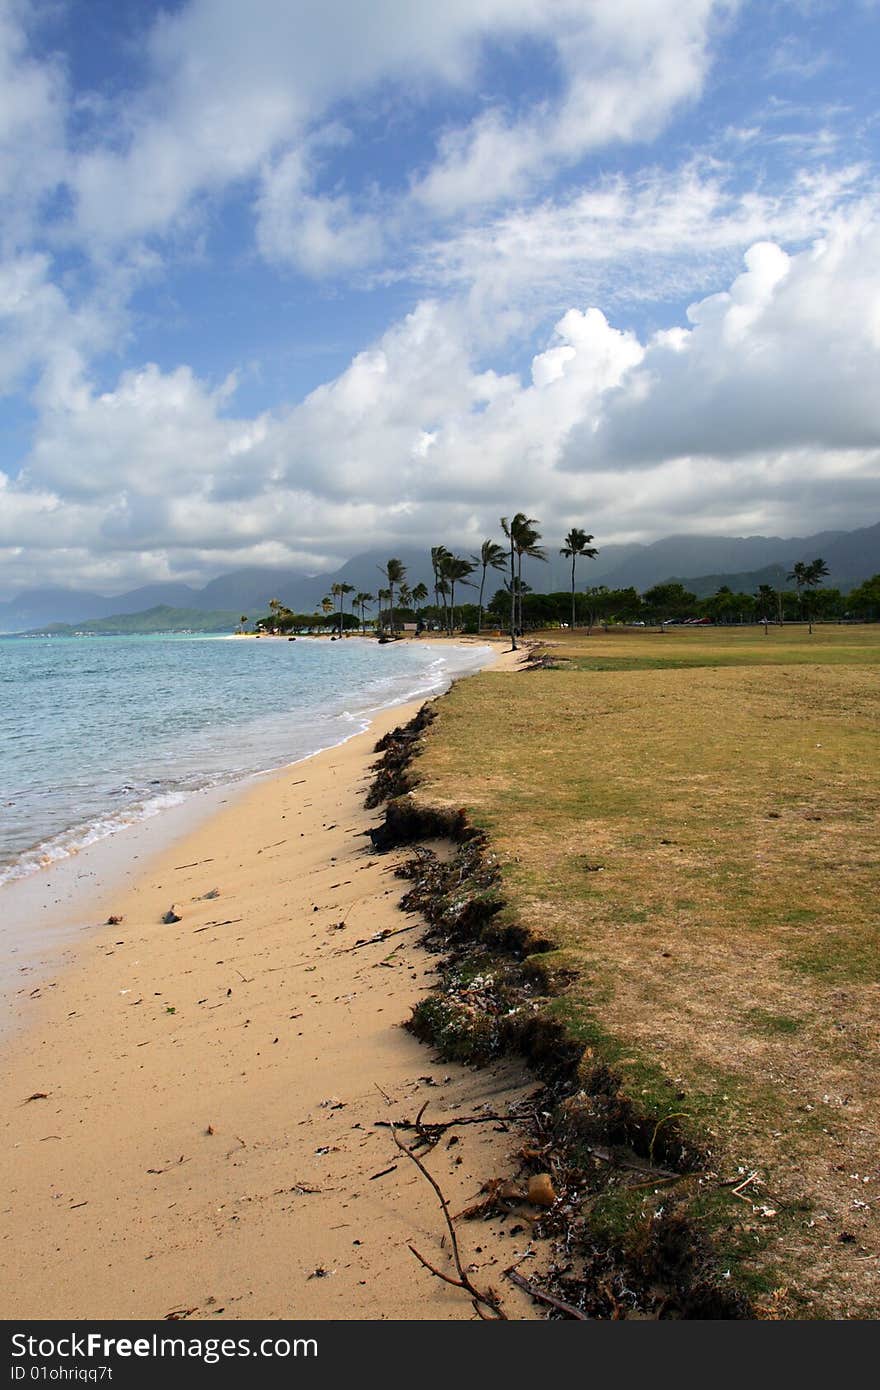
285, 281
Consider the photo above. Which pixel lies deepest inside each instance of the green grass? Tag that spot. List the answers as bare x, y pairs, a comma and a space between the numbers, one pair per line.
681, 648
698, 830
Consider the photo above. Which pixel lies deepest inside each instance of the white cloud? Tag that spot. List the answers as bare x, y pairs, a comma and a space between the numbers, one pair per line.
625, 67
760, 412
787, 358
657, 234
156, 435
33, 99
319, 235
757, 411
236, 92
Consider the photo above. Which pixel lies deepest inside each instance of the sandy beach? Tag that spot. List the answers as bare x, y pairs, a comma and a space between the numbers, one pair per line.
191, 1110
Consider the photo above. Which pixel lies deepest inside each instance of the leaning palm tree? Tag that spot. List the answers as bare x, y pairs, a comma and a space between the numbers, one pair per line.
454, 569
491, 555
360, 601
577, 543
395, 572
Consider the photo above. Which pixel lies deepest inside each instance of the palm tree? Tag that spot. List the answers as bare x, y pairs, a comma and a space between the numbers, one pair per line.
343, 589
438, 554
405, 595
419, 594
443, 591
765, 596
275, 609
336, 591
242, 620
491, 555
327, 606
395, 573
577, 542
454, 569
383, 596
524, 541
360, 601
507, 528
808, 576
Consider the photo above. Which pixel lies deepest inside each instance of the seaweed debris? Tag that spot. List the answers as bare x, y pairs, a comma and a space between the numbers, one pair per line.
633, 1183
398, 747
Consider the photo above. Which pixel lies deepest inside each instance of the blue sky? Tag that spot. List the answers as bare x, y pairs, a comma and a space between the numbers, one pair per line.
285, 281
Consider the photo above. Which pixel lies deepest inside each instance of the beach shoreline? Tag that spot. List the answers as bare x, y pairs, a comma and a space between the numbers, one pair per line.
46, 907
191, 1106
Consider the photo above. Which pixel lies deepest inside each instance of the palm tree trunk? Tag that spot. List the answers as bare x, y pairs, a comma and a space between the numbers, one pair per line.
512, 599
480, 618
519, 596
391, 608
572, 542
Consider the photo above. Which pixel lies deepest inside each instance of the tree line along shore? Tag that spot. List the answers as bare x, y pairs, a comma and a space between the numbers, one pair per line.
516, 607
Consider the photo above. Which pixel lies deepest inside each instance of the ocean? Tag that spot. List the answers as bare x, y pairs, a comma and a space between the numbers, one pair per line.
100, 733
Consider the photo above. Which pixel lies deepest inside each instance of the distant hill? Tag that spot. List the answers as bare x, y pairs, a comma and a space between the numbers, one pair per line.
162, 618
747, 582
851, 556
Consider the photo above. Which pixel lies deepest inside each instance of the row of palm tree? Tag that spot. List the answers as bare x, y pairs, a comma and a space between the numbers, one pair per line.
450, 570
522, 540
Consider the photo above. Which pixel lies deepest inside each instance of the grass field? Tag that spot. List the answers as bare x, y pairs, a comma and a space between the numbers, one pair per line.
694, 818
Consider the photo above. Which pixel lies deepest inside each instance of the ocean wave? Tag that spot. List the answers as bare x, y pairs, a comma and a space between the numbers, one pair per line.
68, 843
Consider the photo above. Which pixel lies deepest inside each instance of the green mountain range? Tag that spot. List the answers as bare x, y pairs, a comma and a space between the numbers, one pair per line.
158, 619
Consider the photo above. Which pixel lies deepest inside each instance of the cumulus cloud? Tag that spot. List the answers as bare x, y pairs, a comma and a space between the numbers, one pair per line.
762, 405
787, 358
520, 366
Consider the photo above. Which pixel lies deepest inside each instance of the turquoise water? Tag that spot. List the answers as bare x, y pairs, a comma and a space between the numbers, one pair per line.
98, 733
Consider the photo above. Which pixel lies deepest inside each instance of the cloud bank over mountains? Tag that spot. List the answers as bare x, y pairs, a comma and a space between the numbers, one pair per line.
616, 290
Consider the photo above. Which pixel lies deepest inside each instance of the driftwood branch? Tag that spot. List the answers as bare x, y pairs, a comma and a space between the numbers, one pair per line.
488, 1299
431, 1131
542, 1297
381, 936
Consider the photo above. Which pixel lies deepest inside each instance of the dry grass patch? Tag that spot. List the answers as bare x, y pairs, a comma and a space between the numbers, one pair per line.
702, 840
